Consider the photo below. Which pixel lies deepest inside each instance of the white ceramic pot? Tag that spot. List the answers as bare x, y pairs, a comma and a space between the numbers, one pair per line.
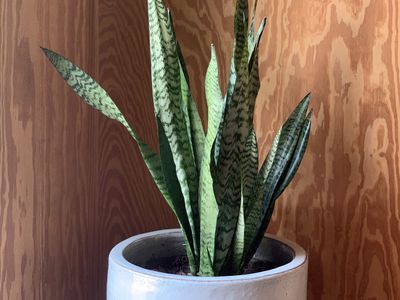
128, 281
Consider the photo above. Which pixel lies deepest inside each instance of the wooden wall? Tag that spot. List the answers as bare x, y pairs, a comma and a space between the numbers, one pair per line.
73, 184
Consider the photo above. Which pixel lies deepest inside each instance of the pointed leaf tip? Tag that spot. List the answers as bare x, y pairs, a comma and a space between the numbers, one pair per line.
306, 100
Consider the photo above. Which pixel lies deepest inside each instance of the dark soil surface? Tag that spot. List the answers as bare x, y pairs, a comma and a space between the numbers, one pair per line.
258, 265
172, 265
179, 265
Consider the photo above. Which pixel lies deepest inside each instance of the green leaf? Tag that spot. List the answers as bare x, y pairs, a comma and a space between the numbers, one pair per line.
174, 190
250, 36
247, 88
239, 54
286, 146
166, 83
296, 158
251, 90
234, 266
241, 21
254, 208
249, 168
189, 108
94, 95
208, 203
227, 181
288, 138
237, 121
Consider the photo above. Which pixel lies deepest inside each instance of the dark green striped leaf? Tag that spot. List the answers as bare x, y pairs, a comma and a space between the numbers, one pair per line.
250, 36
166, 83
249, 168
174, 190
189, 108
288, 138
208, 203
94, 95
237, 121
296, 158
240, 53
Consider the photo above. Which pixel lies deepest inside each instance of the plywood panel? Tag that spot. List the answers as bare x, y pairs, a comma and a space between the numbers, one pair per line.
47, 153
129, 202
73, 183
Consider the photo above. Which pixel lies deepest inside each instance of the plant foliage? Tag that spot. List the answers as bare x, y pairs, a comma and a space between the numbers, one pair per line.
211, 180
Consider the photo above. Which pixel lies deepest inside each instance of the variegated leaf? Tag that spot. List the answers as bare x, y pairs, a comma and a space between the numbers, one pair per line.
263, 220
246, 107
167, 96
249, 168
94, 95
241, 21
234, 265
189, 108
250, 36
240, 50
288, 137
174, 190
237, 120
286, 147
296, 158
208, 203
227, 185
254, 208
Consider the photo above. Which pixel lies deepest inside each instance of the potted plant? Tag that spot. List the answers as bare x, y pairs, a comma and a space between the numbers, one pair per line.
211, 181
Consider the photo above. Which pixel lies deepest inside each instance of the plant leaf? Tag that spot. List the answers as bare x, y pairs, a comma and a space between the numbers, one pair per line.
237, 122
208, 203
227, 183
250, 36
296, 158
286, 146
94, 95
239, 52
189, 108
254, 208
234, 265
166, 83
174, 190
249, 168
288, 137
241, 21
251, 90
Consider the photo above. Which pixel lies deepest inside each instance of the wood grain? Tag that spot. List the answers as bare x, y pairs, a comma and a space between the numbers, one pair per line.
73, 183
46, 191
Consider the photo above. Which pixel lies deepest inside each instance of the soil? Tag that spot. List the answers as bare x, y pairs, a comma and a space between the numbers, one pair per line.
179, 265
258, 265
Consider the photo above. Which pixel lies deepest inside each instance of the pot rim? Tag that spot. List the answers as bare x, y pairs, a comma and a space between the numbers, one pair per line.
116, 256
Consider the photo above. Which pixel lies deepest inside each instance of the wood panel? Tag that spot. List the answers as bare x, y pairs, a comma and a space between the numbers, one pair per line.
129, 202
73, 183
46, 191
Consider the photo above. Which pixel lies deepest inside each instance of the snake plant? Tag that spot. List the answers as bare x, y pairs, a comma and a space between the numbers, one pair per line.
211, 180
